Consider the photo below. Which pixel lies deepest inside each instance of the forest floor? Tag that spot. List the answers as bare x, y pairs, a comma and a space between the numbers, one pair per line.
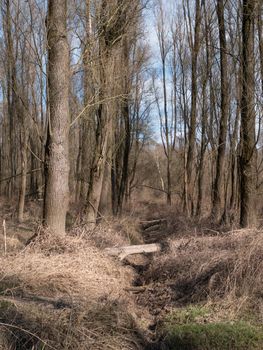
203, 290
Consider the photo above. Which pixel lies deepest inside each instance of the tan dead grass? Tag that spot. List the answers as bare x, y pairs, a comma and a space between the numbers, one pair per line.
54, 265
111, 233
226, 267
100, 326
93, 312
12, 244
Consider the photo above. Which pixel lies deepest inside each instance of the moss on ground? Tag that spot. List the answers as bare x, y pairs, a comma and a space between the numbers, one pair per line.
191, 329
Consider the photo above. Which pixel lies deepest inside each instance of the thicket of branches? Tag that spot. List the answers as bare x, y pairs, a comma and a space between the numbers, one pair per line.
80, 90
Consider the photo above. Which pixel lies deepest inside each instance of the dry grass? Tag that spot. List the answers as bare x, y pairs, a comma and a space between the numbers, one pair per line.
12, 244
227, 267
67, 293
111, 233
177, 224
100, 326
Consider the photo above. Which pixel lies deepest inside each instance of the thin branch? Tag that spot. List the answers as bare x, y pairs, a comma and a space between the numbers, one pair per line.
11, 177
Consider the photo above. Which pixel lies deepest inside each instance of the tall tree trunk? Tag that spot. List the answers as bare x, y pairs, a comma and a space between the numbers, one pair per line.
247, 159
86, 125
220, 162
167, 140
260, 40
165, 125
11, 97
127, 127
22, 195
234, 136
57, 148
98, 170
126, 154
202, 153
204, 120
98, 162
193, 117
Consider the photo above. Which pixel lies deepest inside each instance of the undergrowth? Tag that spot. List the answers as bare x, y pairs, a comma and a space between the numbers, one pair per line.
64, 293
193, 328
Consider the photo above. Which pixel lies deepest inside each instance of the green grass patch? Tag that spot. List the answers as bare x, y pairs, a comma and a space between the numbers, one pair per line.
189, 314
190, 329
5, 306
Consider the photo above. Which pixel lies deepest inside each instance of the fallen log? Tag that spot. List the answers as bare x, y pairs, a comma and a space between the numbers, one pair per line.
152, 228
149, 223
124, 251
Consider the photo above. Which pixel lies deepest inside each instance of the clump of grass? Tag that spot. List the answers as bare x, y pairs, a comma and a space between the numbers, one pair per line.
189, 314
111, 232
203, 268
63, 293
98, 327
191, 328
215, 336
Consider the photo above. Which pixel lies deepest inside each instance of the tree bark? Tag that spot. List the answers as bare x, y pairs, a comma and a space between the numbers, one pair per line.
21, 203
204, 119
193, 117
86, 125
247, 158
103, 130
57, 148
220, 162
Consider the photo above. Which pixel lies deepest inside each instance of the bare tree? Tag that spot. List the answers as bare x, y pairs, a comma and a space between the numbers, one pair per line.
194, 42
220, 162
57, 157
248, 143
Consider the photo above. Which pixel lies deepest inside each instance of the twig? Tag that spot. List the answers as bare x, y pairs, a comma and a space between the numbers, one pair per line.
94, 104
11, 177
160, 189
